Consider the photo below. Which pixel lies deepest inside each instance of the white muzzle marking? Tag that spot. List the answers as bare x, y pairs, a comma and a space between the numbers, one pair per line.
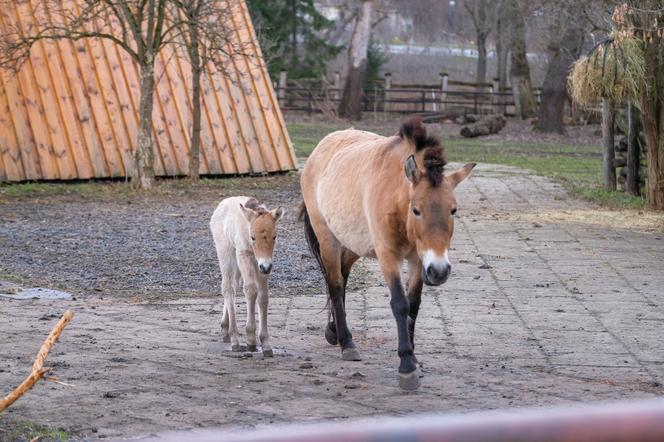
431, 259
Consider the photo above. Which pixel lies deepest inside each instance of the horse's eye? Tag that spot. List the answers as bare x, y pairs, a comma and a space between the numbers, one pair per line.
454, 211
416, 212
253, 238
274, 237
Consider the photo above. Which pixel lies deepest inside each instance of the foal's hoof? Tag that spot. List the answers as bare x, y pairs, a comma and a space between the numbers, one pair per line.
268, 353
331, 334
236, 347
351, 354
409, 381
251, 348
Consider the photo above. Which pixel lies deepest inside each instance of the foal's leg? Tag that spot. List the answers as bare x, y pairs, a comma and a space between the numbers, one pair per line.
348, 258
229, 307
389, 264
247, 265
263, 298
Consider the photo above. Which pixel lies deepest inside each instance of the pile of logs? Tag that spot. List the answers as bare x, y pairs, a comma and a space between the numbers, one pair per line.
490, 124
621, 164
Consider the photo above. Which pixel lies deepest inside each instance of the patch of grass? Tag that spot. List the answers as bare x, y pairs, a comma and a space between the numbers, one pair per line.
305, 136
26, 430
578, 168
83, 188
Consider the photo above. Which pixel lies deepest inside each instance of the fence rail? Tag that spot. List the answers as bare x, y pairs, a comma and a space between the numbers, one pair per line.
411, 99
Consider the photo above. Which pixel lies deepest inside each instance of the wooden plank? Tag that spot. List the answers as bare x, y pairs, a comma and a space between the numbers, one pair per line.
12, 160
167, 120
268, 105
224, 122
209, 158
248, 83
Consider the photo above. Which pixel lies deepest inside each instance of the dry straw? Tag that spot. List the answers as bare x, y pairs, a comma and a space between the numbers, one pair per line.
614, 69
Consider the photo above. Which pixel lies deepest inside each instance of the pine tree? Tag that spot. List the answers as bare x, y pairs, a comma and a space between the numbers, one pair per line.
289, 36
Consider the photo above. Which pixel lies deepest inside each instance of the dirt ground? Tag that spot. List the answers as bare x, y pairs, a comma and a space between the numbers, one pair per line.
538, 312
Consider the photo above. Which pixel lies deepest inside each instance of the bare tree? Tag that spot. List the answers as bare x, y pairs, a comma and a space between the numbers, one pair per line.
566, 42
502, 48
351, 100
208, 36
482, 13
140, 27
522, 90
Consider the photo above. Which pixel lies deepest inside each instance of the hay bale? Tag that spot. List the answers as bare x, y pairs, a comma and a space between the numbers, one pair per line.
614, 70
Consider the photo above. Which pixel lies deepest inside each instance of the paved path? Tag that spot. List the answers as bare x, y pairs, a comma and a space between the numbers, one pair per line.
536, 313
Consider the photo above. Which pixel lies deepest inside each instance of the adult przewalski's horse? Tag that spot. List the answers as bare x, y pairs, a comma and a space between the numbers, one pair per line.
385, 198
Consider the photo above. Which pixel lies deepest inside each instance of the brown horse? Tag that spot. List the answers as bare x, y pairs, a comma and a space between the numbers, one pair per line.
386, 198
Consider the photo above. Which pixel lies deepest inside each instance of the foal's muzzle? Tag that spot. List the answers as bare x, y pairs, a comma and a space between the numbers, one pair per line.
265, 267
436, 275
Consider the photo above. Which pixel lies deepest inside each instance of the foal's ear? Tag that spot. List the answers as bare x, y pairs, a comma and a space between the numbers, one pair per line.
248, 213
411, 170
278, 213
459, 175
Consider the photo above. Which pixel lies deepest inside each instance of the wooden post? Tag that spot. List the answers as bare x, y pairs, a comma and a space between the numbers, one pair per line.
283, 80
608, 157
632, 183
443, 90
336, 86
388, 86
496, 100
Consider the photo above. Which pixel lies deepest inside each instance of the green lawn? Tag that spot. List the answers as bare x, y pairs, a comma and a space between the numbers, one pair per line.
578, 168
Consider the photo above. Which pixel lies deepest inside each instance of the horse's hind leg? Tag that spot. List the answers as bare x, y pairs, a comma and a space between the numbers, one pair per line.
348, 258
328, 253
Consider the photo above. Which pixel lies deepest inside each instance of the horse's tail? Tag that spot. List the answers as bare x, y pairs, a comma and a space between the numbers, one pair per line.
312, 240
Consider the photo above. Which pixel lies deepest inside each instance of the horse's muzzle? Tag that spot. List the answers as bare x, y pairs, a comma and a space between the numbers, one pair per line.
265, 268
436, 275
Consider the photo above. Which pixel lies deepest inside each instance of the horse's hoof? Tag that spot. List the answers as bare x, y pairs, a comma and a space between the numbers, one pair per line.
331, 335
268, 353
226, 339
351, 354
409, 381
251, 348
236, 347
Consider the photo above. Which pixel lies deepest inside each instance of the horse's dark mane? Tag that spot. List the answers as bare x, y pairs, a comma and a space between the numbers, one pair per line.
434, 156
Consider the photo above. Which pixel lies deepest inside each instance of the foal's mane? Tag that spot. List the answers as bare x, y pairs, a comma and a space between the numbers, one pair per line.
433, 156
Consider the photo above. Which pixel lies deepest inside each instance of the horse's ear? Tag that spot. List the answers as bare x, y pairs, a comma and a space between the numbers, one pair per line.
460, 175
278, 213
248, 213
411, 170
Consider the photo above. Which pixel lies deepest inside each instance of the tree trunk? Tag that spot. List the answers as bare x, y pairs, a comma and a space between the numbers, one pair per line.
351, 100
501, 49
652, 112
144, 155
481, 60
554, 89
608, 141
196, 70
632, 181
522, 89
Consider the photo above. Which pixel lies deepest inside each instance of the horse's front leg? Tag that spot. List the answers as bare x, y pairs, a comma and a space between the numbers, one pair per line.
408, 376
414, 291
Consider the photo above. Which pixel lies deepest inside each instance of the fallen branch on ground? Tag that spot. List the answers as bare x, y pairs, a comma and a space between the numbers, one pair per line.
38, 370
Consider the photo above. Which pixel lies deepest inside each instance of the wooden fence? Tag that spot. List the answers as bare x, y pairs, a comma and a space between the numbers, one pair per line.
71, 112
448, 96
